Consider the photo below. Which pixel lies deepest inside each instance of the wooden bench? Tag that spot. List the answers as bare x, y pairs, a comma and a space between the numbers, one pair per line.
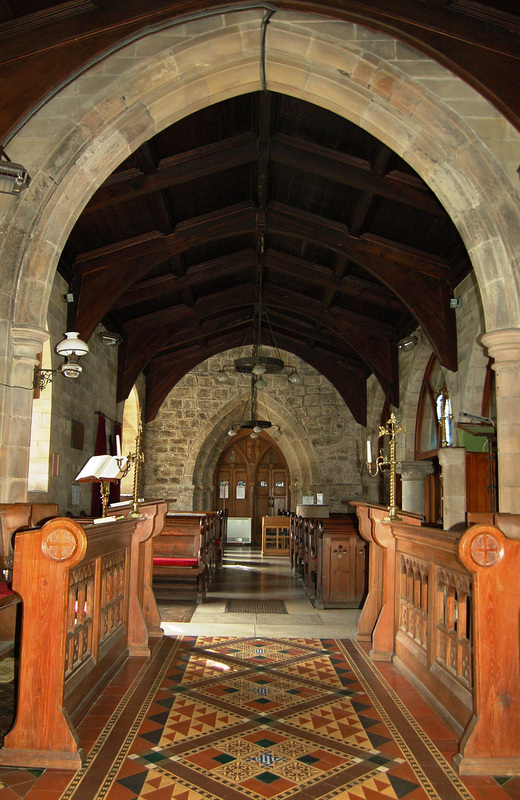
82, 588
296, 544
328, 556
13, 517
182, 556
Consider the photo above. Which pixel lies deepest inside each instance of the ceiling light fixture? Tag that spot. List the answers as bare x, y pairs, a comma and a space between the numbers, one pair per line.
14, 178
409, 343
259, 362
254, 424
110, 339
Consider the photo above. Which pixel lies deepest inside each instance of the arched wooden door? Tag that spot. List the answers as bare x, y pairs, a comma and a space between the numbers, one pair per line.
252, 480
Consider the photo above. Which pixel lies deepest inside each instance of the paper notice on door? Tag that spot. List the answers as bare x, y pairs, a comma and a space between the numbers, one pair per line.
241, 490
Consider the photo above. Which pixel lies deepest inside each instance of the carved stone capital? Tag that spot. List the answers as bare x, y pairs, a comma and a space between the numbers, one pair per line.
27, 341
503, 346
414, 470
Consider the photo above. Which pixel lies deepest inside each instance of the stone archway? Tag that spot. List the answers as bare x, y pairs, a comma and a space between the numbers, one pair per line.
136, 94
208, 442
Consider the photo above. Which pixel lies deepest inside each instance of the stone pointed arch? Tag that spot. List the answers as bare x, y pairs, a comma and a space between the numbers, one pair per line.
212, 438
206, 68
131, 95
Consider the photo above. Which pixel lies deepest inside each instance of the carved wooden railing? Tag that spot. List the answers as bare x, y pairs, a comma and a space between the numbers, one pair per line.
377, 622
87, 606
445, 608
432, 642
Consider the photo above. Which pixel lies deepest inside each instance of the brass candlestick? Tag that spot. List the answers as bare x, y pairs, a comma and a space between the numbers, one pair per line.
104, 491
444, 415
136, 459
391, 428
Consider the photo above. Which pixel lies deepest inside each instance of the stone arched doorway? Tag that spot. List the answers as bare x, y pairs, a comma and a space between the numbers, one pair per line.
252, 481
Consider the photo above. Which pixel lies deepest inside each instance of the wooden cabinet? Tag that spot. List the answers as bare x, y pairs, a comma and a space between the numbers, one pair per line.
341, 576
275, 536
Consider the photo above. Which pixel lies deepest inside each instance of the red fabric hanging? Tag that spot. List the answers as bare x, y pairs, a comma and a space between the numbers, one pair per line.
96, 508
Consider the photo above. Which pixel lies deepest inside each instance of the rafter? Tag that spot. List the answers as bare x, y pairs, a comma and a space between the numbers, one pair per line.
351, 171
418, 279
174, 170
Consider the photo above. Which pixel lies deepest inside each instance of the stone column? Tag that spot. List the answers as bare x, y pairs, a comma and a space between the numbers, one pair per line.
504, 347
453, 466
25, 344
412, 482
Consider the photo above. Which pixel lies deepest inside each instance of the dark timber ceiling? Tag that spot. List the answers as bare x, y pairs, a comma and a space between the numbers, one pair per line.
357, 251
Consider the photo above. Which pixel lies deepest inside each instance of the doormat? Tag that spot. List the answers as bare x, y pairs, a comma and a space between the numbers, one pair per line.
176, 610
256, 606
7, 670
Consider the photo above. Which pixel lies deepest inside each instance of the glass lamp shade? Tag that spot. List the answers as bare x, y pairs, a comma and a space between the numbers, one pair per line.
259, 369
253, 435
294, 377
72, 345
71, 369
222, 377
257, 429
260, 384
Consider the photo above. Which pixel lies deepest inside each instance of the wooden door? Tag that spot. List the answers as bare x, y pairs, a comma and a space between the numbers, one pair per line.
252, 480
481, 482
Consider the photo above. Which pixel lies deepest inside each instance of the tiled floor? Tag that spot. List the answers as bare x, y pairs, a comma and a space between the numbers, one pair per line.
254, 708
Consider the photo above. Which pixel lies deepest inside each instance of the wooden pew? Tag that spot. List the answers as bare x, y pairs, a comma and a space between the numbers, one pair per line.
311, 529
341, 562
14, 516
19, 515
220, 538
449, 621
182, 555
297, 545
82, 591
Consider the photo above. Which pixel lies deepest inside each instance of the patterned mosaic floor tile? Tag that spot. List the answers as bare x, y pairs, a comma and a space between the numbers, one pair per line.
261, 719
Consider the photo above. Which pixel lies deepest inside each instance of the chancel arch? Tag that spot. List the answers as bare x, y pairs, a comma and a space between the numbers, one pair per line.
135, 98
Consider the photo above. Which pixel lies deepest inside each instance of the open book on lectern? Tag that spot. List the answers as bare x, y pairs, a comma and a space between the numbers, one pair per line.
102, 468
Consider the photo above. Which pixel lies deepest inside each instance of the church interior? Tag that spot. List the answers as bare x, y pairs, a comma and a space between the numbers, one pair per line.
259, 400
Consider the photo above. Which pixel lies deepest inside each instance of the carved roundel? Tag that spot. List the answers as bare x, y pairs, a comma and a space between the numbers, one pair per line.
60, 545
486, 550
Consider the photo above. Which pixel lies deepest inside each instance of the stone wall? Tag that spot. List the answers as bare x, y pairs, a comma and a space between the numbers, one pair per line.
321, 441
66, 400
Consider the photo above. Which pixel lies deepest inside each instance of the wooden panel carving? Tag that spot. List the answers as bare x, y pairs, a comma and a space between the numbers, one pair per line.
113, 580
413, 602
453, 629
80, 617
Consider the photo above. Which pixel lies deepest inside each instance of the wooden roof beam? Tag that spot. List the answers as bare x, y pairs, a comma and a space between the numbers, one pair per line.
421, 281
172, 171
